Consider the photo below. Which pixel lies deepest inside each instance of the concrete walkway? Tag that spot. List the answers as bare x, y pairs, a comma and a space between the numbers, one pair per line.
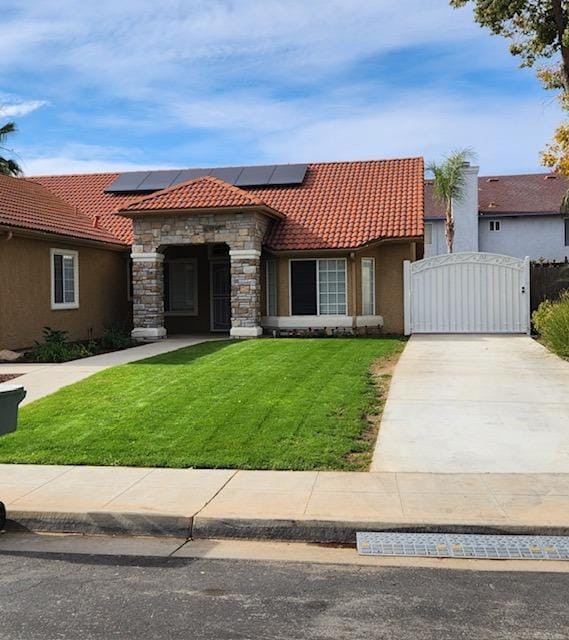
476, 404
41, 380
276, 504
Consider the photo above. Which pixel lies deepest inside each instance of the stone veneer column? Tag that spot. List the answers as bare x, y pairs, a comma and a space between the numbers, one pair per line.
245, 293
148, 296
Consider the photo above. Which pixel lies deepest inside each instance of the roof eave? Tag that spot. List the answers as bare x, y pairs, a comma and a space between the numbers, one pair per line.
266, 210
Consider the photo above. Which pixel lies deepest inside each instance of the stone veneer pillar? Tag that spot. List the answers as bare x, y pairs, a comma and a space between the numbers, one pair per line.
148, 296
245, 293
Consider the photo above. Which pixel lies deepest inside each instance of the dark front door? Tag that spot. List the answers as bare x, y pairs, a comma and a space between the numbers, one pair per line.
220, 296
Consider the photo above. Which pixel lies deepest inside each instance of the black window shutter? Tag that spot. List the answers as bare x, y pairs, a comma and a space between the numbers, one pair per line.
303, 287
567, 232
57, 278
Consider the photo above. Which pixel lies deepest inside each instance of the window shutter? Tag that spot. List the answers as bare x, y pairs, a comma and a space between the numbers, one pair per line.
58, 278
303, 287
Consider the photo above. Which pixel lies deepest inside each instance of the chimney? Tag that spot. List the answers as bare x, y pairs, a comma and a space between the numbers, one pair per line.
96, 221
465, 214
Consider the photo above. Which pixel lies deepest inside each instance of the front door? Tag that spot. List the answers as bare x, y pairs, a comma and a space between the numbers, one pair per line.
220, 296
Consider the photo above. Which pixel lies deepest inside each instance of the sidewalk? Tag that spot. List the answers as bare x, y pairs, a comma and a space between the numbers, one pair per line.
311, 506
40, 380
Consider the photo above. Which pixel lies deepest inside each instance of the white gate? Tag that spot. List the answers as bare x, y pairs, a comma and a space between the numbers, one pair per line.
467, 293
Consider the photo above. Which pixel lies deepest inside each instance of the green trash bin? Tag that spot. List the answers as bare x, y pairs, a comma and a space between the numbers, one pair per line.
10, 397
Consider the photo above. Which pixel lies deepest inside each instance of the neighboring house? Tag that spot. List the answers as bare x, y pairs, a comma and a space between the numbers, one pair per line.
58, 268
242, 249
515, 215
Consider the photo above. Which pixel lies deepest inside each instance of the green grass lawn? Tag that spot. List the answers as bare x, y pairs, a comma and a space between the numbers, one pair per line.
257, 404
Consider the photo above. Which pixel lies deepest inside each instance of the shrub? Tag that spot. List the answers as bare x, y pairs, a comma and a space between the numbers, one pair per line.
551, 320
116, 336
57, 348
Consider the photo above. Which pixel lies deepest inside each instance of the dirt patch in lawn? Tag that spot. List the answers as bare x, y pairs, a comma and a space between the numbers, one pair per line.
380, 372
5, 377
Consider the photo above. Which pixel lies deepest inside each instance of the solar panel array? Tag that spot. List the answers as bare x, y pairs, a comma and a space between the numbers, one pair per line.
258, 176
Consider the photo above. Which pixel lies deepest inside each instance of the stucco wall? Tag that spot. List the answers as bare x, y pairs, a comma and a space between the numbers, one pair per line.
388, 281
533, 236
521, 236
25, 291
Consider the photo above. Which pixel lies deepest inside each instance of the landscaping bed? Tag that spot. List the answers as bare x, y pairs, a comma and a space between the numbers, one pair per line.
259, 404
6, 377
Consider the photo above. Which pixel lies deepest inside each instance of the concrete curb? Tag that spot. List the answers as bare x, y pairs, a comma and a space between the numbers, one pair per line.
318, 531
331, 531
100, 522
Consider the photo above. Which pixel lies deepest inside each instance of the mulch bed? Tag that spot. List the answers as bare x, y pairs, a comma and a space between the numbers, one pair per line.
4, 377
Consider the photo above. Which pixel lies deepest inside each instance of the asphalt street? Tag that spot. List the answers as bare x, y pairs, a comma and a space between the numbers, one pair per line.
70, 596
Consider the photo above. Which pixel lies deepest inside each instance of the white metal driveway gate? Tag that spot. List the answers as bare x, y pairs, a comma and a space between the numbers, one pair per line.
467, 293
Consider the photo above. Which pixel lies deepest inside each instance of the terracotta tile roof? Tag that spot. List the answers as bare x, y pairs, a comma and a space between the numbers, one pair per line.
339, 204
535, 193
28, 205
201, 193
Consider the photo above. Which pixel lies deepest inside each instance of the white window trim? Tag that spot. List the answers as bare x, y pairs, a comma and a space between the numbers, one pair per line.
372, 260
267, 280
183, 312
75, 255
317, 260
429, 239
497, 226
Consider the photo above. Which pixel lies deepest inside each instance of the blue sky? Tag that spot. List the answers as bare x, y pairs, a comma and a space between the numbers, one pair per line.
128, 84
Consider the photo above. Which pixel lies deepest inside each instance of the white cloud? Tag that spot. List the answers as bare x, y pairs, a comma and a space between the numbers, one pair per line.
20, 108
82, 158
506, 136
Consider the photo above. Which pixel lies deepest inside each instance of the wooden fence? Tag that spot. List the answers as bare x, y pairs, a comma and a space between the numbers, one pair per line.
548, 280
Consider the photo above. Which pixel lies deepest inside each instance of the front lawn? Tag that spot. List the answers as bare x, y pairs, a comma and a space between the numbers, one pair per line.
258, 404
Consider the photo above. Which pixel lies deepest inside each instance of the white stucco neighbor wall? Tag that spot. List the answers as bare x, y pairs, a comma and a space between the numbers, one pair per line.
465, 213
438, 244
534, 236
519, 236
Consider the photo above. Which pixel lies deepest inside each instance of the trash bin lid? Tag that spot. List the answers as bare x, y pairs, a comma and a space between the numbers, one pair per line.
5, 387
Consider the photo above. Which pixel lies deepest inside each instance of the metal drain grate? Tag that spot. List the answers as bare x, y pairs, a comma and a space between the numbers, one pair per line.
443, 545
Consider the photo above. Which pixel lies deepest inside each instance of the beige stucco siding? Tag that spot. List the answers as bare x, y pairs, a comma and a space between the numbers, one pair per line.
389, 259
25, 291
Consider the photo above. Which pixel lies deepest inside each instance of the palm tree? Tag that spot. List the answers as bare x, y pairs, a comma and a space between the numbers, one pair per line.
8, 167
450, 185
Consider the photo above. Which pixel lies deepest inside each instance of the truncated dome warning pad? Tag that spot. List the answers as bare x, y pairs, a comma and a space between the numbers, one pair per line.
443, 545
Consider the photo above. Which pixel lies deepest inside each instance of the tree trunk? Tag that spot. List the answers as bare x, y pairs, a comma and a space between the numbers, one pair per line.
449, 227
560, 24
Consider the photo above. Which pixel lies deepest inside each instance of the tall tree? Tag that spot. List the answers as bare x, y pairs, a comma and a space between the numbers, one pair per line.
450, 185
8, 167
539, 31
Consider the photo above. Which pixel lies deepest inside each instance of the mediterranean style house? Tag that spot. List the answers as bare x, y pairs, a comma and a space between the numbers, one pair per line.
243, 250
516, 215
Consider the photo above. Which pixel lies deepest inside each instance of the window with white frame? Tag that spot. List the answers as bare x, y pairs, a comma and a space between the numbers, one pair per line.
271, 287
64, 279
428, 235
318, 287
368, 286
494, 225
182, 277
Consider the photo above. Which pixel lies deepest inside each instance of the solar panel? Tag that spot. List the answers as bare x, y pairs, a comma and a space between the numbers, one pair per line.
255, 176
190, 174
259, 176
127, 181
158, 180
227, 174
289, 174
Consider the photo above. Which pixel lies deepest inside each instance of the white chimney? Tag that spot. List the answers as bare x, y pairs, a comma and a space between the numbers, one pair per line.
465, 214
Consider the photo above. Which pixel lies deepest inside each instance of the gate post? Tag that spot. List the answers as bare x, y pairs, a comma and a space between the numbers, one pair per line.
527, 285
407, 297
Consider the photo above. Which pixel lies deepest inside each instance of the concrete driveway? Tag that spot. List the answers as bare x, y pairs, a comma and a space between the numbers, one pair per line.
476, 404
